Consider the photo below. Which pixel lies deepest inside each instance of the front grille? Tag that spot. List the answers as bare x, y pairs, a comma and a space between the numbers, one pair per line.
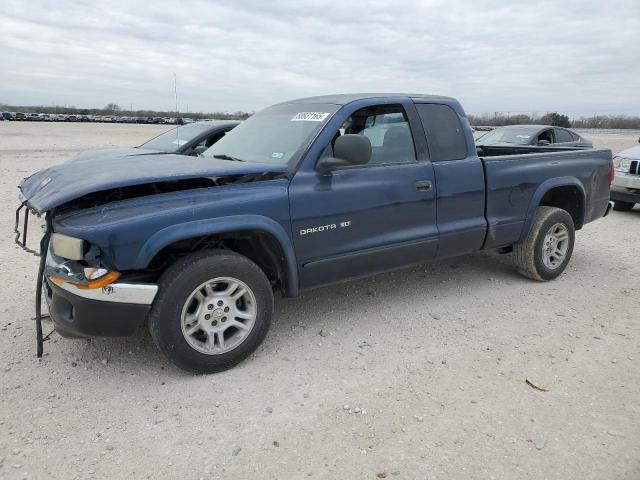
634, 169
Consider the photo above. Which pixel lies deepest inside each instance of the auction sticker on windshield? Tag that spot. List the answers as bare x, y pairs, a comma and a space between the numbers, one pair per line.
310, 117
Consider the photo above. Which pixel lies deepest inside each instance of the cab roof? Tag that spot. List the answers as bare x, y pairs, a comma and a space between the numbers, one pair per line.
344, 98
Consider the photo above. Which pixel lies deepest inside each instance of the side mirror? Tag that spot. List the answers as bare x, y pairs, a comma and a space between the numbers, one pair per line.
199, 150
543, 143
348, 150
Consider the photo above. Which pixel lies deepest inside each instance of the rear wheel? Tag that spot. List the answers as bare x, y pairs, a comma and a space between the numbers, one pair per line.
622, 206
213, 309
547, 249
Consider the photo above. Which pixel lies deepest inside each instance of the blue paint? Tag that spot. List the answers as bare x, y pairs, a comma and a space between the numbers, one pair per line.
369, 219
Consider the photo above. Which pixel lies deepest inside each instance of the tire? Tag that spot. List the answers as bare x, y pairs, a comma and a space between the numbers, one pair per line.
194, 288
530, 257
622, 206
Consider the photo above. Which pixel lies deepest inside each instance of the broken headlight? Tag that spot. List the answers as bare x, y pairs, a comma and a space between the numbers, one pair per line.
68, 247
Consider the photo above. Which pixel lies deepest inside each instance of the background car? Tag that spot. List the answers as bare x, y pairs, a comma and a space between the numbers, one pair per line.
192, 139
533, 135
625, 191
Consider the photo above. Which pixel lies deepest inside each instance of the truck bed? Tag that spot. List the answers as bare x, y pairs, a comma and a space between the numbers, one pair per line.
514, 181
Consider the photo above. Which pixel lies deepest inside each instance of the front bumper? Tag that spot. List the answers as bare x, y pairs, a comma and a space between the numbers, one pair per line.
621, 194
75, 316
115, 310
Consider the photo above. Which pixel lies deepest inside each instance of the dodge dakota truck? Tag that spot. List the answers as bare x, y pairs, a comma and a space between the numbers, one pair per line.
302, 194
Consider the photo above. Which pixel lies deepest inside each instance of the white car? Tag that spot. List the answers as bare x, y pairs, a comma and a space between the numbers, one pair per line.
625, 191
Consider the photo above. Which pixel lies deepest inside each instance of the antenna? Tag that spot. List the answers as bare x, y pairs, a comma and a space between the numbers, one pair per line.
175, 92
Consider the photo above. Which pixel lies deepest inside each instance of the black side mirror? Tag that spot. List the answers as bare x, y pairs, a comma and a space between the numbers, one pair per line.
348, 150
543, 143
199, 150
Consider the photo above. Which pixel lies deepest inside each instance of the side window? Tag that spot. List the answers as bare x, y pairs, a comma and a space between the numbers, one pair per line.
563, 136
445, 135
546, 135
387, 128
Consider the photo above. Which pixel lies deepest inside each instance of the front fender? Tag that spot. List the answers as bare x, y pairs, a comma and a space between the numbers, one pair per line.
540, 192
198, 228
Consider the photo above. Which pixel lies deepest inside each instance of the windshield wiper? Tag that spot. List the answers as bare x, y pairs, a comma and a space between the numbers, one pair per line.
224, 156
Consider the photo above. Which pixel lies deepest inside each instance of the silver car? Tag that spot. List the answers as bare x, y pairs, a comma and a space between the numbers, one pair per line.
625, 191
533, 135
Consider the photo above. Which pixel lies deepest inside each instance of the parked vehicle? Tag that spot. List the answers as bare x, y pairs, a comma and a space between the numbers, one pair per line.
7, 116
301, 194
625, 191
191, 139
534, 135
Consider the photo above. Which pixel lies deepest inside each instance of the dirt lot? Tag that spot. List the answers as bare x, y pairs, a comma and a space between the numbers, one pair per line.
409, 375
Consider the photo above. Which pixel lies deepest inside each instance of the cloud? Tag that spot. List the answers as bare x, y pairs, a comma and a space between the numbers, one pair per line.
577, 57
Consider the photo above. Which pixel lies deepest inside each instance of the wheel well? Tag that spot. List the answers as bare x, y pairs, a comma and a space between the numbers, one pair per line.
567, 198
260, 247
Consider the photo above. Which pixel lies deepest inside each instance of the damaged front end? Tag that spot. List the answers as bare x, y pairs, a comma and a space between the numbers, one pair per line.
85, 295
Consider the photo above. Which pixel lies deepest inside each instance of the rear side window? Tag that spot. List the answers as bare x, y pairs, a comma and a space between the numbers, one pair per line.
445, 135
563, 136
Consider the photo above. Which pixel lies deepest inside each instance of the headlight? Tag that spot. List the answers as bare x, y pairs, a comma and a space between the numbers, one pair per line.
622, 164
67, 247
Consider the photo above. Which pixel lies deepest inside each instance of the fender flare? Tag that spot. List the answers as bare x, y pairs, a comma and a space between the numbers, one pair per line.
198, 228
541, 191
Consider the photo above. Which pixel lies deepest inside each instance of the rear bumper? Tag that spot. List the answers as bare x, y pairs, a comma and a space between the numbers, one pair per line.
608, 210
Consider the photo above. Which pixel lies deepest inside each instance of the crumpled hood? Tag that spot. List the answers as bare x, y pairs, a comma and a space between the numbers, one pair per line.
109, 153
57, 185
632, 153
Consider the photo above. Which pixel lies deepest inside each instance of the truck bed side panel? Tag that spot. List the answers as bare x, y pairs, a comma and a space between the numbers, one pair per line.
517, 183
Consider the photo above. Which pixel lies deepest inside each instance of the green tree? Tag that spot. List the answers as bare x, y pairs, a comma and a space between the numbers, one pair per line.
556, 119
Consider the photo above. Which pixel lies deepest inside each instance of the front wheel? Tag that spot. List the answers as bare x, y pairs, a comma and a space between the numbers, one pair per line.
547, 249
213, 310
622, 206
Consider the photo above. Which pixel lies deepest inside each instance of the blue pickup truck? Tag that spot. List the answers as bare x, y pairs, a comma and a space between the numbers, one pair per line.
302, 194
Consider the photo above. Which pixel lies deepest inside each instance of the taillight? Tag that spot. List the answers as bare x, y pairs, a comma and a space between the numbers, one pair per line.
612, 175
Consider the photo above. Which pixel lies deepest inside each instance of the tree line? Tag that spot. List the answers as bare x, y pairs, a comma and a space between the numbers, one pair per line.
490, 120
556, 119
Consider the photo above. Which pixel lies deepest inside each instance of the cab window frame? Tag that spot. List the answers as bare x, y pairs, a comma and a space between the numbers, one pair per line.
410, 122
464, 144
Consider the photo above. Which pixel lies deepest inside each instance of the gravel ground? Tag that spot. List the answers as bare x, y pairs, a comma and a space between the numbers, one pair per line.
410, 375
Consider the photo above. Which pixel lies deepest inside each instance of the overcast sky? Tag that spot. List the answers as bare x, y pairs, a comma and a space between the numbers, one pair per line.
577, 57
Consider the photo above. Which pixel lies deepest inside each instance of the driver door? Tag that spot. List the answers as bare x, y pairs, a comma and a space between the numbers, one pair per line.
359, 220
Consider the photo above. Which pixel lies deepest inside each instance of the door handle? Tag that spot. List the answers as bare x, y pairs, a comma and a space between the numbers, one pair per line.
423, 185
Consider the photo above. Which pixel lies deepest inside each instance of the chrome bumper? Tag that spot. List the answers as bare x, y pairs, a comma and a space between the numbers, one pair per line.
608, 210
119, 292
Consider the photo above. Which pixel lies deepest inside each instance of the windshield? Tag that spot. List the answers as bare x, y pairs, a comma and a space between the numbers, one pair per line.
520, 136
277, 135
175, 138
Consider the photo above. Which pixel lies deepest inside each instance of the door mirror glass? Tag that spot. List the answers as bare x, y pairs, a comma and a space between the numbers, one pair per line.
543, 143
